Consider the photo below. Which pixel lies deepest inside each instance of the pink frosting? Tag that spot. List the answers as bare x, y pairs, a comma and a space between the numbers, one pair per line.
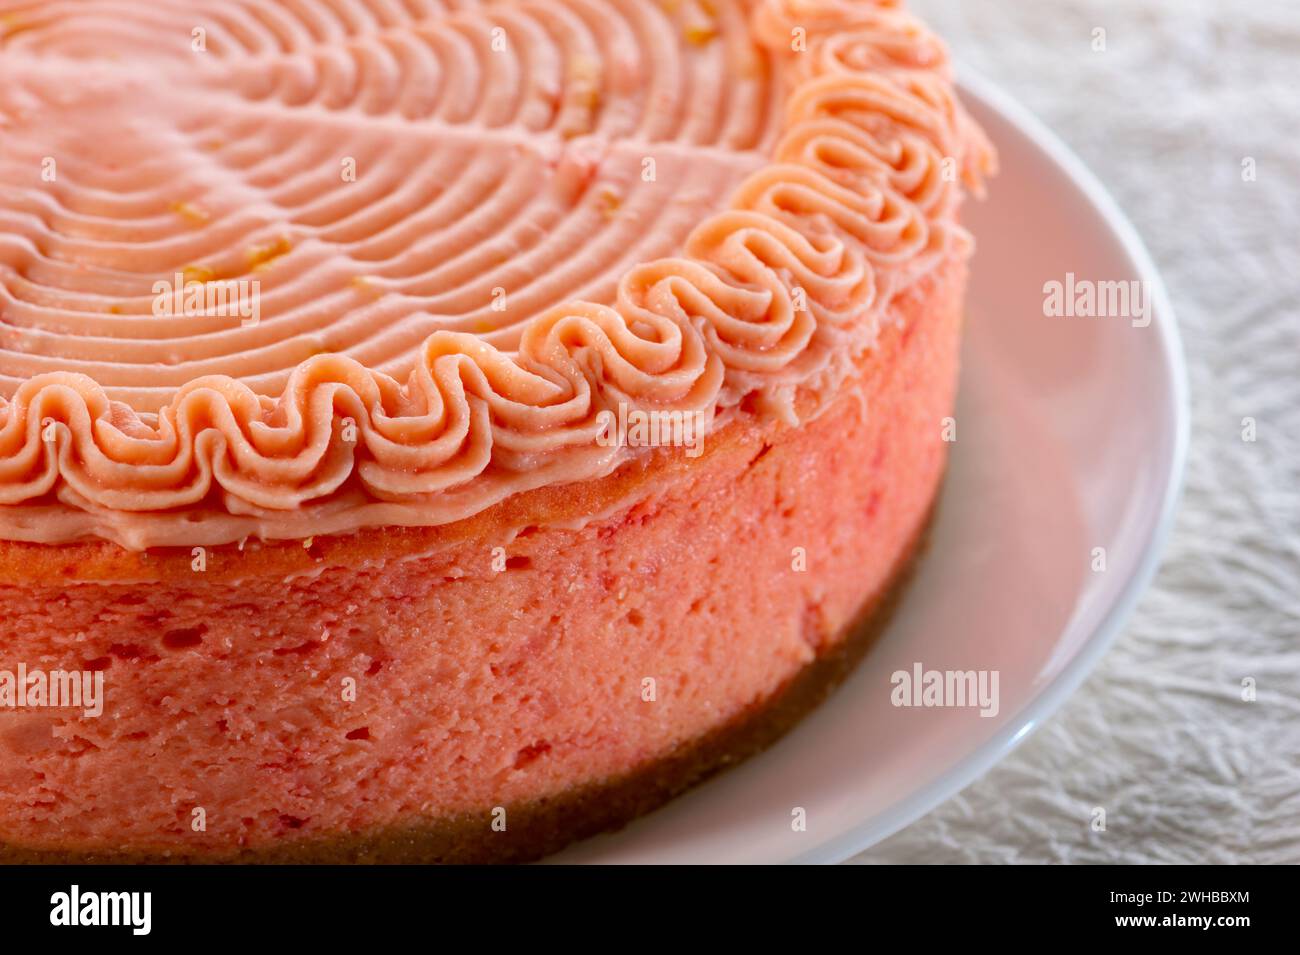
444, 329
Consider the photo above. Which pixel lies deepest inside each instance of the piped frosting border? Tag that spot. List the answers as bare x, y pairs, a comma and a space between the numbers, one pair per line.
779, 292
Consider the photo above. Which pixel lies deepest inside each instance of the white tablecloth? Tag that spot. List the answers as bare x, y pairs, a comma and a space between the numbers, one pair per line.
1159, 735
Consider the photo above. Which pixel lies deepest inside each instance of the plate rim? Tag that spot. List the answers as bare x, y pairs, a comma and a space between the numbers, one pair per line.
973, 86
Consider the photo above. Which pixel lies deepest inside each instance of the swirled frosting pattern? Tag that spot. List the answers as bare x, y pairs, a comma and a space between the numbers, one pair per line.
468, 227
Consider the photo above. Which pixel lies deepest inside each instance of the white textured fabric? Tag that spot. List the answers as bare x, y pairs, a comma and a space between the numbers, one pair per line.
1159, 735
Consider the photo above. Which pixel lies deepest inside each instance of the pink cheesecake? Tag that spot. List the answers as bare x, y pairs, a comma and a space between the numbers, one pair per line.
440, 431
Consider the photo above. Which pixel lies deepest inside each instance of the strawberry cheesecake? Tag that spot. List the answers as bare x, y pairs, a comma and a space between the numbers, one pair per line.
438, 431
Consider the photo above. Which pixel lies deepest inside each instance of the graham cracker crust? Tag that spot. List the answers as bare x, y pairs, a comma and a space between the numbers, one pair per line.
542, 827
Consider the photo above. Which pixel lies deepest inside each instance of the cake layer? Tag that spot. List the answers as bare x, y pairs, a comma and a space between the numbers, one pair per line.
397, 679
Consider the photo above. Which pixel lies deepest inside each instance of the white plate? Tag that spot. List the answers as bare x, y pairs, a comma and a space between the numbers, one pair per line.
1071, 436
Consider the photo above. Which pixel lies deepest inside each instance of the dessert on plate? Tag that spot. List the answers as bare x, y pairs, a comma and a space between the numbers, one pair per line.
439, 431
